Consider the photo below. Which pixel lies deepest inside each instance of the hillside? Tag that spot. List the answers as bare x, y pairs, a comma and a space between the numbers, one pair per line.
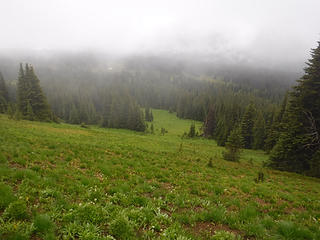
61, 181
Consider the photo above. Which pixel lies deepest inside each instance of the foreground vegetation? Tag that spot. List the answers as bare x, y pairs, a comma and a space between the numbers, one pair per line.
60, 181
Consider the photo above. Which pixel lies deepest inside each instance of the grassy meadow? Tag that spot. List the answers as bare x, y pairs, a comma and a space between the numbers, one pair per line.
61, 181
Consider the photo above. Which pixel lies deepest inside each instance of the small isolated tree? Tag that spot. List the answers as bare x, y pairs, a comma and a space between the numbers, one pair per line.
163, 131
152, 128
192, 131
233, 146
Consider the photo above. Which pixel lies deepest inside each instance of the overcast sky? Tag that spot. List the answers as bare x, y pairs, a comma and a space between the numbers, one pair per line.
283, 30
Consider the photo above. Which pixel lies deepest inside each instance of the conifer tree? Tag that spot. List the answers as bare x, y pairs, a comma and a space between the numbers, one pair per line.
233, 145
210, 123
38, 101
22, 92
4, 97
30, 114
247, 123
298, 147
276, 127
259, 132
32, 102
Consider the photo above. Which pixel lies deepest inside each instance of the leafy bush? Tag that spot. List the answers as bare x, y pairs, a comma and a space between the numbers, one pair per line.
43, 224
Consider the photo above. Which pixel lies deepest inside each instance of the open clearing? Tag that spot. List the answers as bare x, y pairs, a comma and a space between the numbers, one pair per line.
60, 181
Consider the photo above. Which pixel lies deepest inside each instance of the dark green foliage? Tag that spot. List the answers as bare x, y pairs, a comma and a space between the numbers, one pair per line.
163, 131
148, 115
121, 228
233, 146
259, 132
192, 130
29, 115
4, 97
32, 103
11, 110
260, 177
276, 126
298, 146
247, 123
210, 164
43, 224
210, 123
124, 113
152, 128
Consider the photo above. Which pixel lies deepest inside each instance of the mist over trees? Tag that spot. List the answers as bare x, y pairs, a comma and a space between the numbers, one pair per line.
111, 92
298, 146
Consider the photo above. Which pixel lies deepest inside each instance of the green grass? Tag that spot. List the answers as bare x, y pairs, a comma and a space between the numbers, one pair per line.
60, 181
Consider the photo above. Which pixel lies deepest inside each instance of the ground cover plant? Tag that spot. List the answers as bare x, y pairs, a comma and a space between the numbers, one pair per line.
60, 181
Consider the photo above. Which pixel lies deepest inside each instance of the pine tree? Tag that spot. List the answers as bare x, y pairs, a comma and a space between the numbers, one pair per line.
259, 132
247, 122
22, 92
210, 123
298, 147
30, 115
4, 96
233, 145
275, 129
192, 131
31, 99
36, 97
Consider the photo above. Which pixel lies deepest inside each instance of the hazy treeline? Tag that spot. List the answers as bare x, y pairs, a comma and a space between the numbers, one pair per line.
237, 112
110, 92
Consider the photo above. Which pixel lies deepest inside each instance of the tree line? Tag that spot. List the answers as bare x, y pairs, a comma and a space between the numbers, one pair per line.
234, 114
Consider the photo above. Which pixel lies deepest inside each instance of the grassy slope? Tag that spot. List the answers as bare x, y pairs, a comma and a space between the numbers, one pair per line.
68, 182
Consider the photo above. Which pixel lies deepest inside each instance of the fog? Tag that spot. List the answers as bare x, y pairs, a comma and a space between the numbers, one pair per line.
264, 32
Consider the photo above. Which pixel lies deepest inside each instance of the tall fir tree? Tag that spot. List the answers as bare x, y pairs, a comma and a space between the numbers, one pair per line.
276, 128
32, 102
298, 147
259, 132
247, 123
4, 96
37, 98
210, 123
22, 92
